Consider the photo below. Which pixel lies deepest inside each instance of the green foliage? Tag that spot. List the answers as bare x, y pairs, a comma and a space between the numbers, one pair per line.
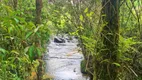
21, 42
84, 20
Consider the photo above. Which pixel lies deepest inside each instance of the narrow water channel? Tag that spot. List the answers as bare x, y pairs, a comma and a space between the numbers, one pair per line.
63, 60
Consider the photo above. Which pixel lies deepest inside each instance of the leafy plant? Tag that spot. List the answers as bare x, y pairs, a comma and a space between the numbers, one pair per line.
21, 43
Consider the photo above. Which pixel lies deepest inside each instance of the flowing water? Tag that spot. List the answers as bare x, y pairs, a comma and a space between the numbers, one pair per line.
63, 60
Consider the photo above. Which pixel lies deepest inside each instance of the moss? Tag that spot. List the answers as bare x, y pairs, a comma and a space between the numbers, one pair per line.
83, 67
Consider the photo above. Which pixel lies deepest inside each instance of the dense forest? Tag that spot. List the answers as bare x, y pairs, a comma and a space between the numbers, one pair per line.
109, 34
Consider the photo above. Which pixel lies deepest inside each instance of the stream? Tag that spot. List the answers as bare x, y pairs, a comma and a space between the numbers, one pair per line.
63, 59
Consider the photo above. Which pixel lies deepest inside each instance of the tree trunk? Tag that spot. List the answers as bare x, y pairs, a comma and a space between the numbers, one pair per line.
38, 11
15, 2
38, 21
40, 70
110, 37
